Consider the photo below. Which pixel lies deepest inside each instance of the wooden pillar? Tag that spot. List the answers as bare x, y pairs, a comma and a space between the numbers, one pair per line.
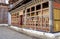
25, 18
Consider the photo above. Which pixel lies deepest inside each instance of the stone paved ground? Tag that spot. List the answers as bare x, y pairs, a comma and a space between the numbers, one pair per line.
6, 33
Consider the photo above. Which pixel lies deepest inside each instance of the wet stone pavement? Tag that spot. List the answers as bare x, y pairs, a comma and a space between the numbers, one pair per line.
6, 33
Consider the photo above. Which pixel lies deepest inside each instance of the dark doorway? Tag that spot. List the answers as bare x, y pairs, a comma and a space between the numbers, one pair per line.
21, 20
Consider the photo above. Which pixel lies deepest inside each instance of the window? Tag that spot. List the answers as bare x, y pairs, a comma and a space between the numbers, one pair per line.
32, 14
24, 11
28, 14
28, 10
45, 5
38, 7
36, 24
33, 9
37, 13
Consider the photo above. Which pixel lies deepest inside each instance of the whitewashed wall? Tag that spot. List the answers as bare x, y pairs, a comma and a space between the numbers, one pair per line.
9, 18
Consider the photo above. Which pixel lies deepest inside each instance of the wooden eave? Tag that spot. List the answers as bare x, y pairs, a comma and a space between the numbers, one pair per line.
20, 4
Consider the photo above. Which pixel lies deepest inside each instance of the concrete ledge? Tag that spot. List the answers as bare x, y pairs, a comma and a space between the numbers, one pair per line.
3, 24
38, 34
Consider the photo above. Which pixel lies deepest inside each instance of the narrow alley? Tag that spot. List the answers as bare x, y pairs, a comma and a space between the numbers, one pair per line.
29, 19
6, 33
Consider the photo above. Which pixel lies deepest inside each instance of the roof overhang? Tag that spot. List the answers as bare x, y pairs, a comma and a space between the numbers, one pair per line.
20, 4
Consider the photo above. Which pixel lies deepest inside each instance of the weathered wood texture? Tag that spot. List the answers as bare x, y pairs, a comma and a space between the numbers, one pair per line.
3, 14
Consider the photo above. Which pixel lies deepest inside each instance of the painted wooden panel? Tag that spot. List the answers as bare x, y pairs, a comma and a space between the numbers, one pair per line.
56, 20
56, 5
56, 13
15, 19
21, 12
56, 26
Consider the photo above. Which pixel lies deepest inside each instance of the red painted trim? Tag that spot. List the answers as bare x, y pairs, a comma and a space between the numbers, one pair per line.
56, 5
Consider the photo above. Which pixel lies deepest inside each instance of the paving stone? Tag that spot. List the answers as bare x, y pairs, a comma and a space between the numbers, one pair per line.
6, 33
